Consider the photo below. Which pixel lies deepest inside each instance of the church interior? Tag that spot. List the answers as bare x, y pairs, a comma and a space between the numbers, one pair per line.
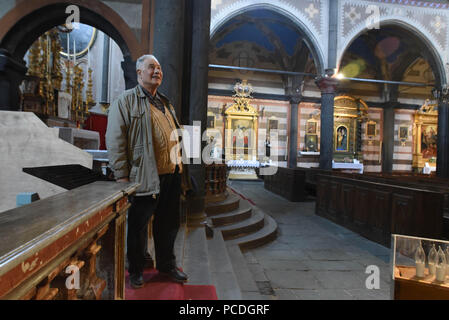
319, 147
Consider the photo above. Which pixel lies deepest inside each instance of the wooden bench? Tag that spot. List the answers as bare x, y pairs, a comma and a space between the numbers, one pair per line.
288, 183
375, 209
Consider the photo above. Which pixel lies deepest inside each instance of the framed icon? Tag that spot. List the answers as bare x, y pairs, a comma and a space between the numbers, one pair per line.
311, 142
403, 132
341, 138
371, 129
311, 127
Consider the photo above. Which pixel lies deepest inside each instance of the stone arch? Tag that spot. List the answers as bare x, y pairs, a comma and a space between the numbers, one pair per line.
415, 29
311, 35
21, 26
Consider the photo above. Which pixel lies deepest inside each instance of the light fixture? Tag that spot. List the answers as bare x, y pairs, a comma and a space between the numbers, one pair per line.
441, 94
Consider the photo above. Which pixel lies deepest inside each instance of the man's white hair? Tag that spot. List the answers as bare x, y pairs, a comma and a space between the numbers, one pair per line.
141, 60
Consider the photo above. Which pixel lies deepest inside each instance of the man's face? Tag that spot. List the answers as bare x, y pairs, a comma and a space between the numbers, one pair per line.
151, 73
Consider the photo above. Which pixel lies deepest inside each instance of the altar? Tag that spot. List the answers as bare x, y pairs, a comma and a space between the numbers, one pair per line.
241, 139
356, 166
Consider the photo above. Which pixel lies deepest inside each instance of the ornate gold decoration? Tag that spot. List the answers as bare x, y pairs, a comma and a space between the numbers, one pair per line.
426, 117
349, 113
241, 117
45, 65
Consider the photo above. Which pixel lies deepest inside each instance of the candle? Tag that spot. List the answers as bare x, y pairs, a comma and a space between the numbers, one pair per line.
48, 54
88, 58
432, 268
68, 45
441, 273
74, 51
420, 269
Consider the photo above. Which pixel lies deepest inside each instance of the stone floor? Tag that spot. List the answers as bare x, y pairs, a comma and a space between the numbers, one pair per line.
312, 258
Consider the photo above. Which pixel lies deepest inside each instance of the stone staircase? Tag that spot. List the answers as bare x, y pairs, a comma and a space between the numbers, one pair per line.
219, 259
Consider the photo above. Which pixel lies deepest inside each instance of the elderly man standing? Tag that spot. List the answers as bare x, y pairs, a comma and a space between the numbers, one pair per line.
141, 149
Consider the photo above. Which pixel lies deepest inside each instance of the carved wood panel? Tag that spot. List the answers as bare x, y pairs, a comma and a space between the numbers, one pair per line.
362, 197
402, 213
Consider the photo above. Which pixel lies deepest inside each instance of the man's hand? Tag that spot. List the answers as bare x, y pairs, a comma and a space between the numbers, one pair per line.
123, 180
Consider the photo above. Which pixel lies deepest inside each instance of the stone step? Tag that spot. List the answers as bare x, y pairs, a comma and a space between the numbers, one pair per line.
196, 257
243, 212
247, 284
266, 234
240, 229
217, 197
222, 273
231, 203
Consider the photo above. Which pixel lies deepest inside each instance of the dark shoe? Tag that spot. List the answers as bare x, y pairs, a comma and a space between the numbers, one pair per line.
148, 262
175, 274
136, 281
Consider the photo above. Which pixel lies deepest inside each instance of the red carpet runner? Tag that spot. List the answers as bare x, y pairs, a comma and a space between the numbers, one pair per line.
161, 287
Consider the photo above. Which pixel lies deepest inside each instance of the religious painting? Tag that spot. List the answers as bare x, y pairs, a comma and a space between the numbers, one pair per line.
371, 129
311, 127
311, 142
341, 138
403, 133
241, 135
429, 141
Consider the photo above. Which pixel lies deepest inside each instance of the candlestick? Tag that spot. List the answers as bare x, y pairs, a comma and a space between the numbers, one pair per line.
48, 54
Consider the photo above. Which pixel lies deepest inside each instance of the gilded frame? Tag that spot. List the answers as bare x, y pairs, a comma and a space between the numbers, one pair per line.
336, 138
371, 129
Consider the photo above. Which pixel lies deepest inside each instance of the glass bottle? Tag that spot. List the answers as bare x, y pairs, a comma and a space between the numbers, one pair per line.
420, 261
433, 259
441, 265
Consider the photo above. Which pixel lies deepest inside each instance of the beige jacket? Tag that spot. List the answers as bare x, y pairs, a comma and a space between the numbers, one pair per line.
129, 140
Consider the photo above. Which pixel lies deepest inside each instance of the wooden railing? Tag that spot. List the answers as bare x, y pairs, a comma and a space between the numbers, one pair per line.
68, 246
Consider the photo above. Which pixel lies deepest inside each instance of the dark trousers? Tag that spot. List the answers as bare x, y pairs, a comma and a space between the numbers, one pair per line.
165, 224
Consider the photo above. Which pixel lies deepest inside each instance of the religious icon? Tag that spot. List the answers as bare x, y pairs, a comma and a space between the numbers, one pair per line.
371, 129
311, 142
311, 127
429, 141
341, 139
403, 134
